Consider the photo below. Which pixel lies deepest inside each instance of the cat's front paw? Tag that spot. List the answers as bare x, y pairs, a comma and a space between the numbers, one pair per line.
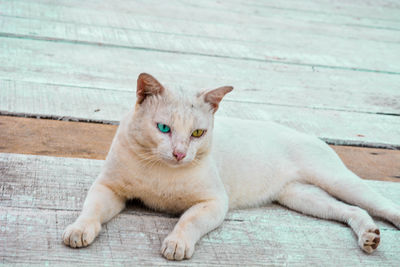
81, 233
177, 247
369, 240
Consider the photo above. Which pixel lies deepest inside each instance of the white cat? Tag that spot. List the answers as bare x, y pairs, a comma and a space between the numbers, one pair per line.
167, 153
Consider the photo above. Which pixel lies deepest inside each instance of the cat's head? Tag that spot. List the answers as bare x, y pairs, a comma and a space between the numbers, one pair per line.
173, 128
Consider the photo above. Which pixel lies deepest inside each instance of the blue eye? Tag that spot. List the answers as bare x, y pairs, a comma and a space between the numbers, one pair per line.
163, 128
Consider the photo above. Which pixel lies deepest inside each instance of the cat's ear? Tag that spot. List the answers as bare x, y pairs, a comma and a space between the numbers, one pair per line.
147, 85
213, 97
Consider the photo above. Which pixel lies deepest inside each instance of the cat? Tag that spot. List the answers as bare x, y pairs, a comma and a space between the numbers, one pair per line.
167, 153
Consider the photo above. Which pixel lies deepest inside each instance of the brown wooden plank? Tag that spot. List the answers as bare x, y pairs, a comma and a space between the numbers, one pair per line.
41, 195
55, 138
88, 140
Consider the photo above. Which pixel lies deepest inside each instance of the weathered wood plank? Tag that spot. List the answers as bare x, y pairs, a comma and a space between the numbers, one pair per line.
253, 237
215, 12
386, 10
95, 16
41, 195
365, 13
282, 46
338, 127
117, 69
369, 101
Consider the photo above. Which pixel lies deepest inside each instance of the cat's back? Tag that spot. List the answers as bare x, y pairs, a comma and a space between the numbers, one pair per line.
256, 159
252, 140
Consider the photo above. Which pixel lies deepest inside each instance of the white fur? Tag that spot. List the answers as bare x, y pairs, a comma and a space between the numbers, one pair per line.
238, 164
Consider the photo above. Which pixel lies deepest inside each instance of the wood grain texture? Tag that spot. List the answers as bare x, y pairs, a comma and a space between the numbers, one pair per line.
288, 48
88, 140
41, 195
98, 68
124, 23
382, 10
254, 13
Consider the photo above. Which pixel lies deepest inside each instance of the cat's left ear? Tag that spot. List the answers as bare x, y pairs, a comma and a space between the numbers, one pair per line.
215, 96
147, 85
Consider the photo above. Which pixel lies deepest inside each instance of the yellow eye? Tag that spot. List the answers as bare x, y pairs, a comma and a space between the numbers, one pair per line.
198, 133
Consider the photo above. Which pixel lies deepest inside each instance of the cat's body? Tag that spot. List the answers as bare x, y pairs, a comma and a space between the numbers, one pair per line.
174, 189
237, 164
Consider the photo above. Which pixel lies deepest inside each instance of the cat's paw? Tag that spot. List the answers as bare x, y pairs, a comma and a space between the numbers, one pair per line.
81, 233
369, 240
177, 248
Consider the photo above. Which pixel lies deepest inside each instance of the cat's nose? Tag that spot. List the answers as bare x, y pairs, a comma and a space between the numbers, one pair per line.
178, 155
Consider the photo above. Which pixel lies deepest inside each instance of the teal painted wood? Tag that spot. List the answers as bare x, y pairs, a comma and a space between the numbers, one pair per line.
41, 195
379, 14
263, 45
373, 10
106, 16
349, 13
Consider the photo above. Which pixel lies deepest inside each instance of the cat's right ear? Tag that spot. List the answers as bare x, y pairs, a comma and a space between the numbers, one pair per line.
147, 85
215, 96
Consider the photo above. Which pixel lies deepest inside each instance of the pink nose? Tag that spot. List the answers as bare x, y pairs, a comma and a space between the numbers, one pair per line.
178, 155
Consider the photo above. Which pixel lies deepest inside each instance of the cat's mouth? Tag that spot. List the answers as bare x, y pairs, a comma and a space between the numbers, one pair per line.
175, 163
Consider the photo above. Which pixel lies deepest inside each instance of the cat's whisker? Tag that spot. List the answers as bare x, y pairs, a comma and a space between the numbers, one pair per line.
150, 163
195, 161
154, 163
147, 161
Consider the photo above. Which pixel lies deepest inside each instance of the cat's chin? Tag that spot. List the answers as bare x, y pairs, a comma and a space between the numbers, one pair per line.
175, 164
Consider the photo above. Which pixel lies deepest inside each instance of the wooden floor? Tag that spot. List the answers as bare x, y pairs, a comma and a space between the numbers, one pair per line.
47, 194
327, 68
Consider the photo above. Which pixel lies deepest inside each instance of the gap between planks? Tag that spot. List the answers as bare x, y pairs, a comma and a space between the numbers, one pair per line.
90, 140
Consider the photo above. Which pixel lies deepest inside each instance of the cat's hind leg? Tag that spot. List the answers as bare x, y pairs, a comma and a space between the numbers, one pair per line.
312, 200
348, 187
